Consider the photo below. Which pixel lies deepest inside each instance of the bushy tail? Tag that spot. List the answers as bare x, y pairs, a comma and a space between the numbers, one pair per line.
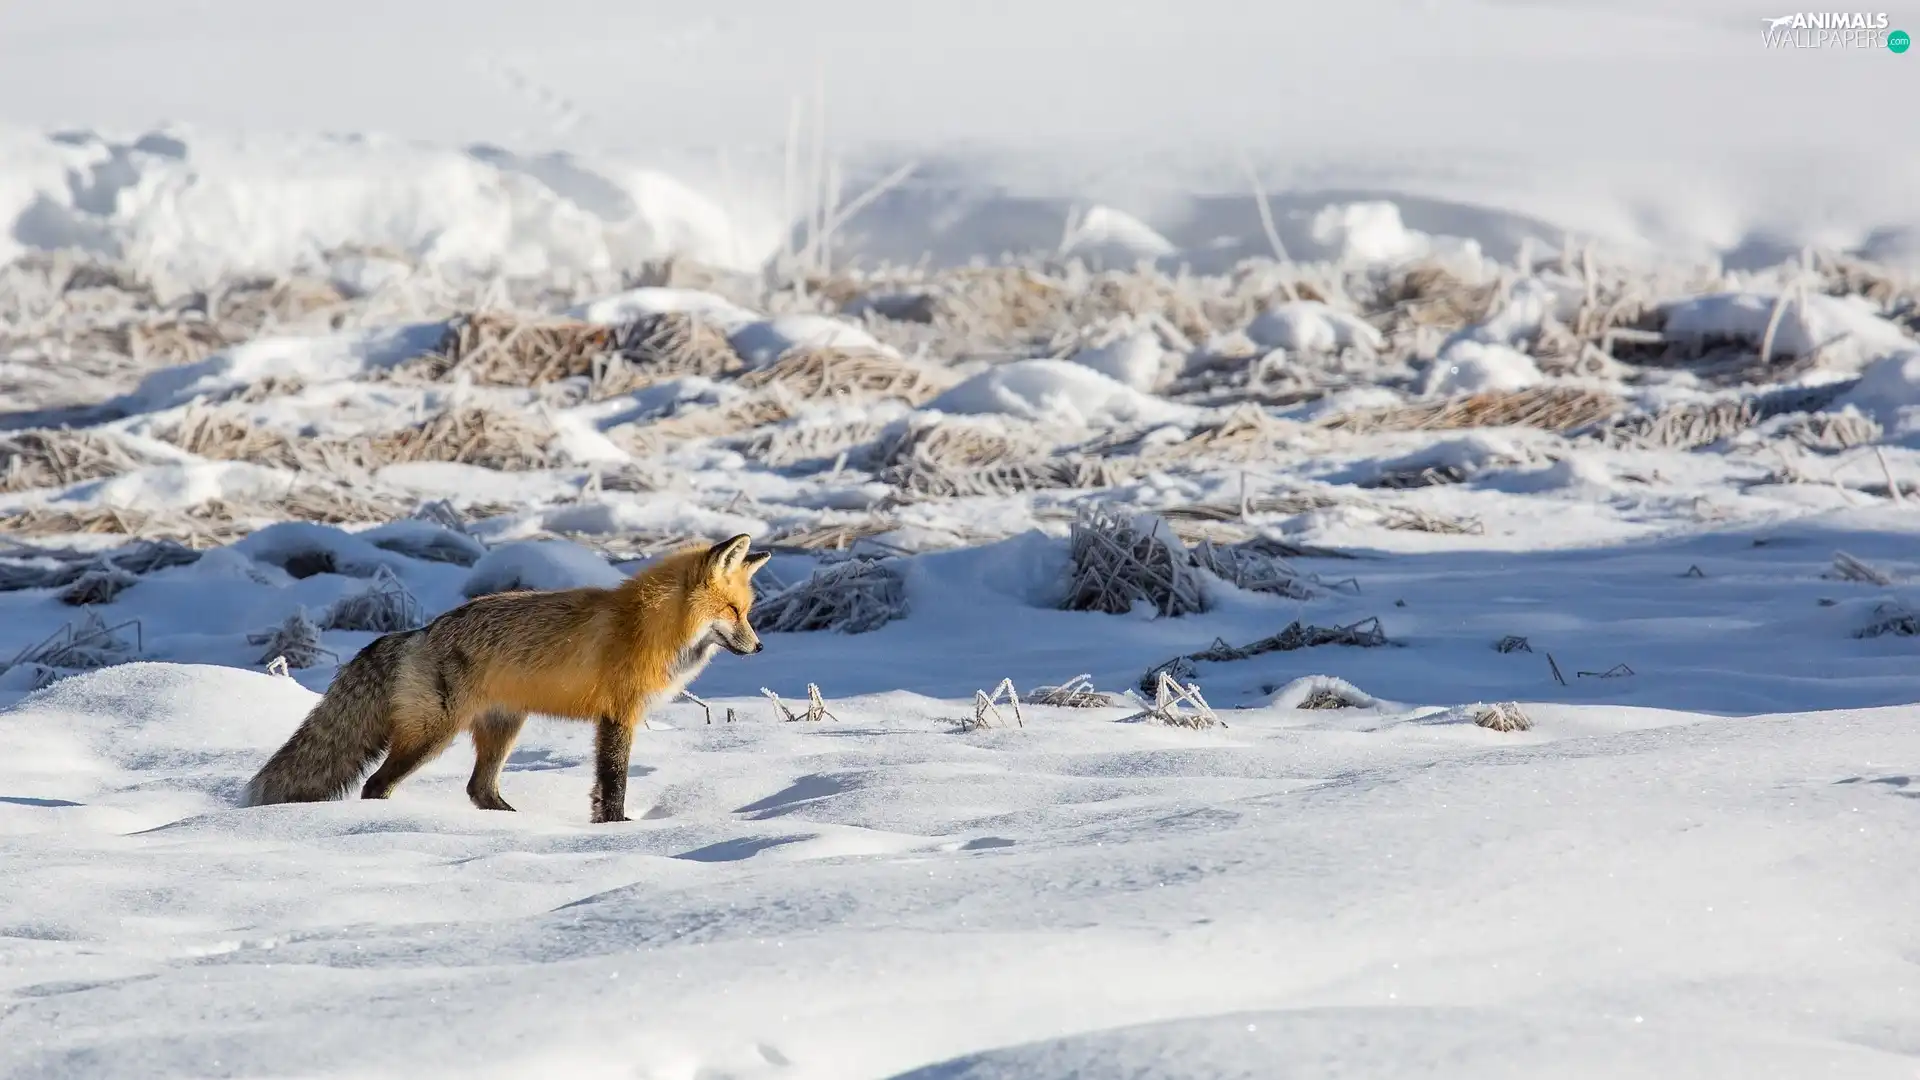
341, 738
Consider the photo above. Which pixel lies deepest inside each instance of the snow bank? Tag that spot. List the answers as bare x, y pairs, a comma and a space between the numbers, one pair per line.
192, 206
1056, 392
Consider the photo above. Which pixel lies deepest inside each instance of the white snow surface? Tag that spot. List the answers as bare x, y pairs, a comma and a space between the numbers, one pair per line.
1675, 874
1056, 392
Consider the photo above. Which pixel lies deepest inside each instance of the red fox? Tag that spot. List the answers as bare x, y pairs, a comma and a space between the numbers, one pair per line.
604, 655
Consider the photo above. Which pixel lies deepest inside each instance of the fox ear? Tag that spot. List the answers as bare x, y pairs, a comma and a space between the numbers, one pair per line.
757, 560
727, 556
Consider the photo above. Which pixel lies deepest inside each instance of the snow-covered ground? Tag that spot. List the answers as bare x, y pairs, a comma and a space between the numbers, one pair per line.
1583, 411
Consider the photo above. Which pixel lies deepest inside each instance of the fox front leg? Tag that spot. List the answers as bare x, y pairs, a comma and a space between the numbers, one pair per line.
612, 747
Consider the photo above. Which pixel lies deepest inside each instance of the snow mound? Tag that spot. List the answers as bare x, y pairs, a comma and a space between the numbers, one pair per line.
1357, 1042
312, 360
137, 714
761, 343
303, 549
1369, 233
1311, 326
1847, 328
179, 486
1105, 236
1889, 391
1056, 392
1311, 691
1466, 455
539, 565
1135, 360
1577, 474
1473, 367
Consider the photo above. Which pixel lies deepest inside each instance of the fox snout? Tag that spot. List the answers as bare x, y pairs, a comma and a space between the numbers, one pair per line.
740, 641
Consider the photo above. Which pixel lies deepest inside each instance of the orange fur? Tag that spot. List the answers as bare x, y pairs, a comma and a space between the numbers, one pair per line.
603, 655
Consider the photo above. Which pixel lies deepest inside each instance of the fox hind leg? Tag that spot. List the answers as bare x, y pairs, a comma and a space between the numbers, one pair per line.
421, 731
493, 737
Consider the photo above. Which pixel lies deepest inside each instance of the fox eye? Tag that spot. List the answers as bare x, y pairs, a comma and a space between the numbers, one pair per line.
738, 615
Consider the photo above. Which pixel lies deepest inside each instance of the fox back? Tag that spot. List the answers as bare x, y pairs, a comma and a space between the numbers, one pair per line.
589, 653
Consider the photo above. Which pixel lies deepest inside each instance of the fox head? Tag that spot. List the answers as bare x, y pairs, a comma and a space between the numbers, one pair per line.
721, 593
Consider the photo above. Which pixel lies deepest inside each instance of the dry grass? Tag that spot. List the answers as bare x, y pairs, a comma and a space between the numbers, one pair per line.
793, 443
819, 374
99, 584
172, 341
962, 443
220, 435
853, 597
263, 304
48, 459
1503, 716
500, 349
1548, 408
1684, 427
835, 536
86, 645
386, 605
294, 643
955, 458
1075, 693
1832, 432
1119, 562
1248, 567
213, 523
1177, 706
1367, 633
715, 421
488, 438
1247, 434
1891, 618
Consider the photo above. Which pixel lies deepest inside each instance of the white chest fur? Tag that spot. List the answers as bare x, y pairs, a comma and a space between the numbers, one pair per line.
686, 667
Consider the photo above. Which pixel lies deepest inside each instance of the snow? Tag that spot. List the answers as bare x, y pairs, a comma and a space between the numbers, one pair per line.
1372, 233
1845, 325
313, 360
1134, 360
1694, 862
1309, 325
635, 304
1889, 391
540, 564
876, 895
1054, 392
762, 342
1471, 367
